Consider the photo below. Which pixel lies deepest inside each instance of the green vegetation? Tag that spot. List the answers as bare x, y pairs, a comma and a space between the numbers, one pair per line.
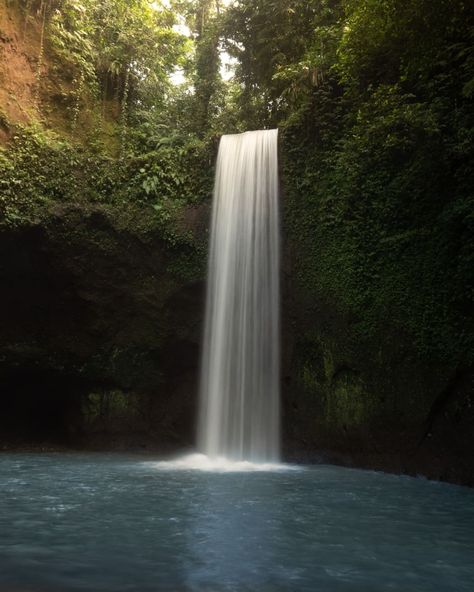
374, 100
380, 166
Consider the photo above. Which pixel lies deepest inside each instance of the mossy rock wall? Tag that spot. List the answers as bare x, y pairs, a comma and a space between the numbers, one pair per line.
100, 329
369, 378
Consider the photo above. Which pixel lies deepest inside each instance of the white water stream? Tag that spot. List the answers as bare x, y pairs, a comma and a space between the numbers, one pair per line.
239, 412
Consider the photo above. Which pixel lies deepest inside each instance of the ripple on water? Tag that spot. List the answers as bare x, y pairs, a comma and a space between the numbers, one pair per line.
104, 523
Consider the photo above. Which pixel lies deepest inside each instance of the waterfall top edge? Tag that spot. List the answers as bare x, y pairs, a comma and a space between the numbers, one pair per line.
249, 133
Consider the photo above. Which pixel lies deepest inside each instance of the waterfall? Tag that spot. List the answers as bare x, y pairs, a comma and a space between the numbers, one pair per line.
239, 408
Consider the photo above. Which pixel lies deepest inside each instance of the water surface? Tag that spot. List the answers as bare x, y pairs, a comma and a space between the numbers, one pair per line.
112, 523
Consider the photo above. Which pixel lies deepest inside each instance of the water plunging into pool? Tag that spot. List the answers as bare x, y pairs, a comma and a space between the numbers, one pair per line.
239, 415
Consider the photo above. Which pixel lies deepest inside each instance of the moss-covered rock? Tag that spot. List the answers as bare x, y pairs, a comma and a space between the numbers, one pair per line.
96, 304
377, 348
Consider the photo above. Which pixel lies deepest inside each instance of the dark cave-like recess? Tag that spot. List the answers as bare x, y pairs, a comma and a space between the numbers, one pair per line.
39, 406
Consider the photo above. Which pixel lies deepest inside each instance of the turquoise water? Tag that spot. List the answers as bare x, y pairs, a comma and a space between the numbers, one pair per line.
76, 522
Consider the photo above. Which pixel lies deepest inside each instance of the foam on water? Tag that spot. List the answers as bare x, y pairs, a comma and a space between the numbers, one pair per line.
219, 464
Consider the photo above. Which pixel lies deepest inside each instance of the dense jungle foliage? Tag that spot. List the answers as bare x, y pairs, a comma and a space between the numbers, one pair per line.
374, 102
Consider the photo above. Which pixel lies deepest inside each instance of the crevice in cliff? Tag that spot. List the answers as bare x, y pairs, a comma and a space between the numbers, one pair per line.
458, 382
39, 405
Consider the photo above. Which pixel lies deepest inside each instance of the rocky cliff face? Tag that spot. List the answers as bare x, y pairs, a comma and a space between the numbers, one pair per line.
369, 380
102, 262
100, 348
102, 267
100, 335
19, 49
37, 88
373, 404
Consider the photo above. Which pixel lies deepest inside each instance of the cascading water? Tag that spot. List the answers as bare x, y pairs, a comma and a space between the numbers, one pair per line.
239, 414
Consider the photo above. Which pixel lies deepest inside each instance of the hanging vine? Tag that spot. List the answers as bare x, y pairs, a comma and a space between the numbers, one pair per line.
27, 10
43, 13
124, 114
77, 105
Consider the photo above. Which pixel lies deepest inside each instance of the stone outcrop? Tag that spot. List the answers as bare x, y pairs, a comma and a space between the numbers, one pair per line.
100, 336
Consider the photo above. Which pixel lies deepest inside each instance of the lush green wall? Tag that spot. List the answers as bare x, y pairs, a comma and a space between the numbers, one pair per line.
374, 103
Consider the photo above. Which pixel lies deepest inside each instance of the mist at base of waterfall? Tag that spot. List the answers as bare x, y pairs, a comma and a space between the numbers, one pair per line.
220, 464
113, 523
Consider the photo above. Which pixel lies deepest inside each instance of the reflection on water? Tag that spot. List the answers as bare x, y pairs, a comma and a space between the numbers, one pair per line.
113, 523
232, 538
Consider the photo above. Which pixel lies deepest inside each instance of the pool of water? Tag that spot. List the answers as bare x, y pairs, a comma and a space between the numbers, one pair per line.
112, 523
